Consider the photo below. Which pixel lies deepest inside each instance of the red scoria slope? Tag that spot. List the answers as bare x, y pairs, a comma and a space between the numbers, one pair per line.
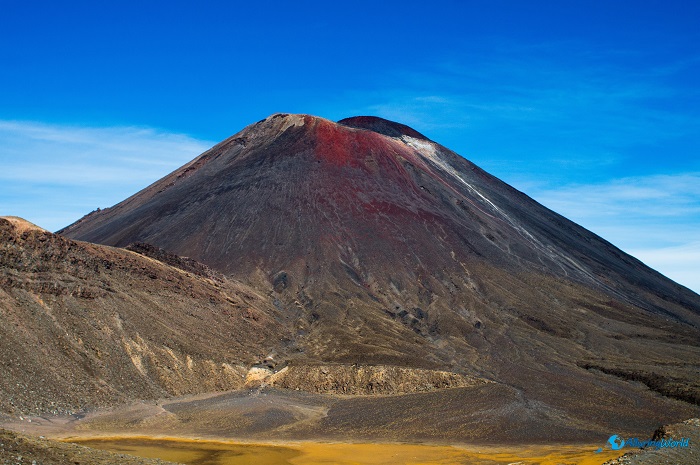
384, 247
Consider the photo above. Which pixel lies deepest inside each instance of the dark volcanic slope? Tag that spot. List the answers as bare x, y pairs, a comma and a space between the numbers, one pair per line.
385, 247
292, 192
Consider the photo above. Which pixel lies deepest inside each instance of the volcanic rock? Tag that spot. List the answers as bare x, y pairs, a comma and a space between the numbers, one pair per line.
378, 246
85, 325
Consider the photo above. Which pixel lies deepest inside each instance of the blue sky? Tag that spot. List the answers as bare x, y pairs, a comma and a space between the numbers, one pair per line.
592, 108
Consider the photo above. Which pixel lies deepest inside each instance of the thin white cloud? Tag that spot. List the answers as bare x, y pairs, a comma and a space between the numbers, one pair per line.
662, 197
655, 218
53, 174
682, 263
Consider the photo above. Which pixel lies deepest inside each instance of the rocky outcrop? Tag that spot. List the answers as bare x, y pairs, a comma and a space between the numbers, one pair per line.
183, 263
368, 379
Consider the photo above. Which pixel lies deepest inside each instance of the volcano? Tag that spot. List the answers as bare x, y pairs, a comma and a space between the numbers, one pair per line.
384, 248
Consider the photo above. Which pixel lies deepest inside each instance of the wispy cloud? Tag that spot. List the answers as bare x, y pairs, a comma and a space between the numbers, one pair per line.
678, 263
655, 218
53, 174
657, 196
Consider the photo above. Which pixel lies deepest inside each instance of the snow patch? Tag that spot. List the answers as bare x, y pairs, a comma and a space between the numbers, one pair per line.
425, 148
